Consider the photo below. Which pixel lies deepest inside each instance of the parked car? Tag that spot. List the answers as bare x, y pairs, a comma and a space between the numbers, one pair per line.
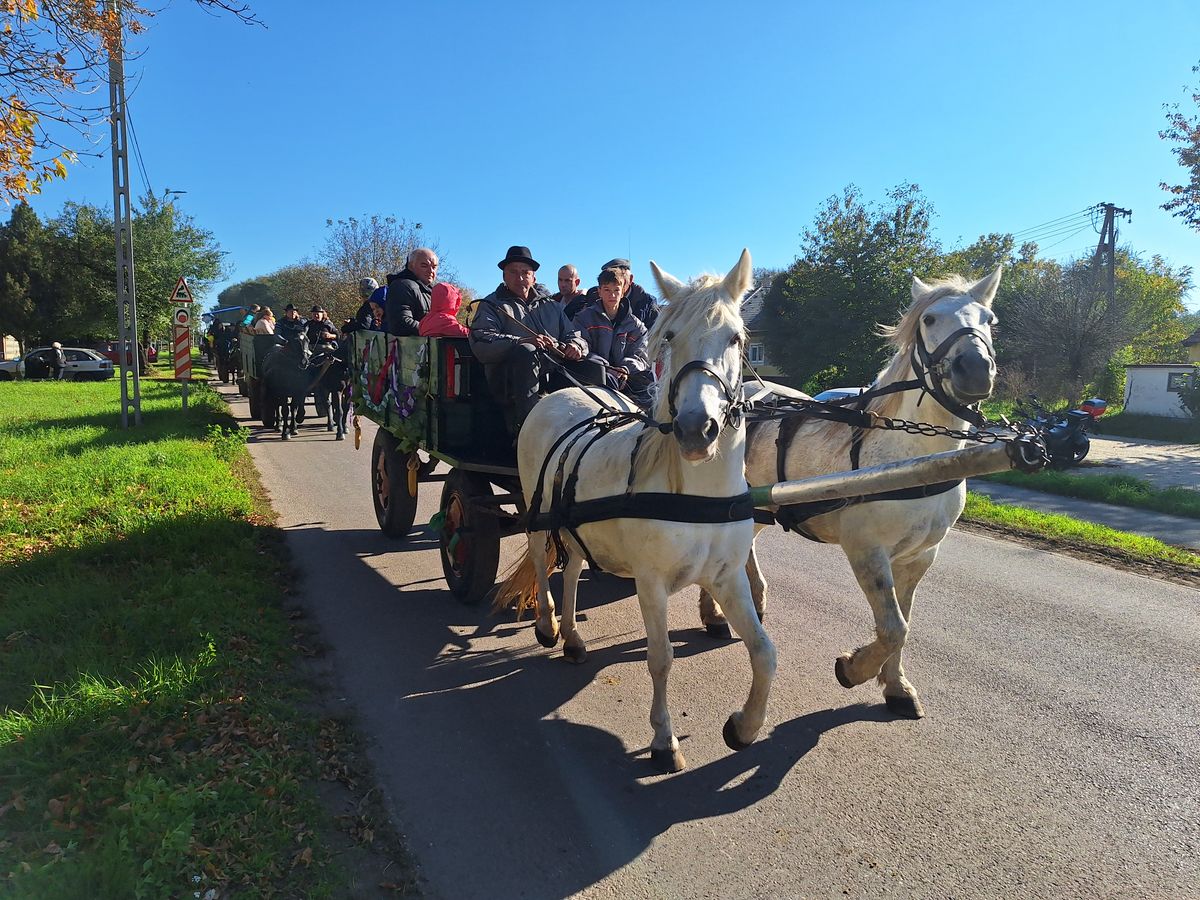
82, 364
111, 350
11, 368
838, 393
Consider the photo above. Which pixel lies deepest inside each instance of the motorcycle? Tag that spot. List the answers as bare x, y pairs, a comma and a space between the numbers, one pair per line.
1066, 433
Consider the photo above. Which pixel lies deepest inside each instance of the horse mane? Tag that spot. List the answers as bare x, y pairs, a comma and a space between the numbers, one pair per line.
700, 306
836, 438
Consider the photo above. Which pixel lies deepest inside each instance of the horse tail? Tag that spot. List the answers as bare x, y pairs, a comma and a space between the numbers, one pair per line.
520, 587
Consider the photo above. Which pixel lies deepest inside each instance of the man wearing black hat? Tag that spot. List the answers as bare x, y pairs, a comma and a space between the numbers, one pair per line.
516, 329
291, 324
409, 293
318, 328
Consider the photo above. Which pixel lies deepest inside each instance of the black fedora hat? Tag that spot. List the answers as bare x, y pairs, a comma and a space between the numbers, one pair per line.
519, 254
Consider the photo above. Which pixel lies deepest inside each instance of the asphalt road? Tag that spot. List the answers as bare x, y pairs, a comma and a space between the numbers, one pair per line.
1059, 757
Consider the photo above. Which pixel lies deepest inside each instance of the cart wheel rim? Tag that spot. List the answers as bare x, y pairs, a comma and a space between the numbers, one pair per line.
382, 484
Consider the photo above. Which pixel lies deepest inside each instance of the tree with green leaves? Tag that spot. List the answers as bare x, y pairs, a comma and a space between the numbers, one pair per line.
854, 271
1183, 130
25, 276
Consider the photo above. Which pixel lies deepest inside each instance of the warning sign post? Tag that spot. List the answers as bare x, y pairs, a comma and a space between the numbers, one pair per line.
182, 344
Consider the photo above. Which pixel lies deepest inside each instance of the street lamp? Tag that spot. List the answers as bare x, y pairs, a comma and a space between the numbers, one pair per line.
168, 192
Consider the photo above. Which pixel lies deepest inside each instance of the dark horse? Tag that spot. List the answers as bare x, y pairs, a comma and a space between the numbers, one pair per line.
288, 378
330, 378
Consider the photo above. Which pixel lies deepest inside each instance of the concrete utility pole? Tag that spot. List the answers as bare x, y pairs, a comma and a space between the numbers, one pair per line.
1106, 250
123, 236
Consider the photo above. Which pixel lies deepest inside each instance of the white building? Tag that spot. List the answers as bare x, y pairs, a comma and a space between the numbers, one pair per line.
1153, 390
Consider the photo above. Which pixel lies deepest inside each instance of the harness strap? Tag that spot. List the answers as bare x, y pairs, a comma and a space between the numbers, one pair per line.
662, 506
793, 516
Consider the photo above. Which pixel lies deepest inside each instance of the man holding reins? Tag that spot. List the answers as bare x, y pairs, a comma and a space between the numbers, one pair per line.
516, 330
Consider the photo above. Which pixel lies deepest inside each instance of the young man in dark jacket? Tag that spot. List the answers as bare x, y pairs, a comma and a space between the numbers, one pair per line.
617, 339
516, 327
409, 292
643, 303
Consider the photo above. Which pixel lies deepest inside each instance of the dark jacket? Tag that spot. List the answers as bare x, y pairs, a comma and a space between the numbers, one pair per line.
644, 305
619, 341
407, 303
320, 332
574, 305
288, 329
58, 359
493, 333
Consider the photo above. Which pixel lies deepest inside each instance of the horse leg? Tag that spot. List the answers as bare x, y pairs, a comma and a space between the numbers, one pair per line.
737, 599
873, 570
574, 647
336, 413
281, 415
664, 748
758, 583
327, 402
712, 618
297, 406
899, 694
545, 627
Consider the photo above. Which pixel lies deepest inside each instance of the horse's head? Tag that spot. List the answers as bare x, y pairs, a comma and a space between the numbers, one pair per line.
700, 335
950, 325
298, 348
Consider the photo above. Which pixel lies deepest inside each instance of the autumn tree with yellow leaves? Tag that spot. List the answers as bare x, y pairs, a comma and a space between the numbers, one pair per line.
54, 56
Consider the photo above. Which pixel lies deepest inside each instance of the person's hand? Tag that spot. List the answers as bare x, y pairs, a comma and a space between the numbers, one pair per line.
570, 351
621, 374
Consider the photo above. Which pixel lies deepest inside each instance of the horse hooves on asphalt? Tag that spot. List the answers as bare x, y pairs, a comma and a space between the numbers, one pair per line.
577, 655
667, 761
904, 706
285, 436
543, 639
839, 671
719, 630
341, 436
729, 733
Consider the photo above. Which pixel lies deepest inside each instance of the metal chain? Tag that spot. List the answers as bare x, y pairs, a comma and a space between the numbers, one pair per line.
885, 423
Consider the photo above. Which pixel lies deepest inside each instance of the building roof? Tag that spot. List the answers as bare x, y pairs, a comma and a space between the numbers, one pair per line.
752, 307
1192, 339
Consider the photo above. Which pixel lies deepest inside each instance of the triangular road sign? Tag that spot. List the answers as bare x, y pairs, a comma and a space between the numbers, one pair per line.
182, 293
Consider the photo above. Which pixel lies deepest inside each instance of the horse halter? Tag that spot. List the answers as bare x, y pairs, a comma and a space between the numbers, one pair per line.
930, 369
735, 403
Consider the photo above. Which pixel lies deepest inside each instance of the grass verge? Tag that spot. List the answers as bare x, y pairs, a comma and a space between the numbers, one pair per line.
1155, 428
155, 740
1098, 542
1119, 490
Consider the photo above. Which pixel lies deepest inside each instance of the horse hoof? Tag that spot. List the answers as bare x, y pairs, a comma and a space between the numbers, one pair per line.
284, 436
577, 655
340, 437
329, 428
667, 761
904, 706
732, 741
545, 640
718, 630
839, 670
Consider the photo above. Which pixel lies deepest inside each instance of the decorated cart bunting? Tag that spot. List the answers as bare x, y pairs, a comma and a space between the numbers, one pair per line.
390, 383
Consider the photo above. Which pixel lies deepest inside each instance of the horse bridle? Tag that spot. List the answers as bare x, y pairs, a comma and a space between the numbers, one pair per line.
931, 369
735, 403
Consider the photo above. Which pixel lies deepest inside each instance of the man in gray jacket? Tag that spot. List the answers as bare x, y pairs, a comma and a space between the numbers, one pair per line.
516, 329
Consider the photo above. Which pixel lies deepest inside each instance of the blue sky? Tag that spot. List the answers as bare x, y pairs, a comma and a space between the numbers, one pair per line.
678, 132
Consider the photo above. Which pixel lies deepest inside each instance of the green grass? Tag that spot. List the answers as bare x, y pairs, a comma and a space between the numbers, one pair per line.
150, 739
1119, 490
1084, 535
1155, 428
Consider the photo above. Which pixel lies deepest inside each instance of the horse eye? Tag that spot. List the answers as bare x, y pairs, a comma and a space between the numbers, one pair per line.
928, 320
735, 341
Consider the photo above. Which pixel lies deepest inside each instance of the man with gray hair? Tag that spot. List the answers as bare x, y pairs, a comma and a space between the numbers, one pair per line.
409, 293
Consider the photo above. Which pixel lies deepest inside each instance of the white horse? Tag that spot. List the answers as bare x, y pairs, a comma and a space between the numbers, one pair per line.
944, 340
700, 455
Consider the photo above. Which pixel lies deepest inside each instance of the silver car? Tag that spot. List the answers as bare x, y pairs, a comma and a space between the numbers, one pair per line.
11, 368
82, 364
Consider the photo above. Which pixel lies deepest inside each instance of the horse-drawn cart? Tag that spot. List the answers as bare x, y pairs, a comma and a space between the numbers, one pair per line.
430, 394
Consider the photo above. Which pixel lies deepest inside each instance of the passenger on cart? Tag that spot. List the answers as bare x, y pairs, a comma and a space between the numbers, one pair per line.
617, 339
523, 338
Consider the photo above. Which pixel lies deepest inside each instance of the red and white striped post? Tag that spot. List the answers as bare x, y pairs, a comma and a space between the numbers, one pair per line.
182, 344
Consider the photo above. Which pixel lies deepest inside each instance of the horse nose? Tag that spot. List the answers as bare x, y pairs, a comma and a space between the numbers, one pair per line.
696, 431
973, 375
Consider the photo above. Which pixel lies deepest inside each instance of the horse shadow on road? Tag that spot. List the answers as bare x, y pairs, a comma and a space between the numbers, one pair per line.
476, 737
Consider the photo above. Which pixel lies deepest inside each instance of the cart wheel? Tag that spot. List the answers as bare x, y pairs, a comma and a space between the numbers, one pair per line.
395, 504
252, 396
470, 539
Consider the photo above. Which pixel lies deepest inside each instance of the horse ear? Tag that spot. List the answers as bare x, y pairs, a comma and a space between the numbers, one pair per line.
984, 290
740, 277
668, 285
919, 288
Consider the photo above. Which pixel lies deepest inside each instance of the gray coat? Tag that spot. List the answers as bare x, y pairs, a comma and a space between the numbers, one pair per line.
619, 341
493, 332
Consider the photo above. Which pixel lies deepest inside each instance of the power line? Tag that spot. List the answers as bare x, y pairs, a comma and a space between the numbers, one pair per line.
1054, 221
137, 152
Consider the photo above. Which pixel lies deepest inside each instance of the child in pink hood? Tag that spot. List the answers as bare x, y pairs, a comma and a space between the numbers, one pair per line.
440, 321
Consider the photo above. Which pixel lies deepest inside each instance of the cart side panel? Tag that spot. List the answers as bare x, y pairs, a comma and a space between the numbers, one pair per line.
390, 384
466, 423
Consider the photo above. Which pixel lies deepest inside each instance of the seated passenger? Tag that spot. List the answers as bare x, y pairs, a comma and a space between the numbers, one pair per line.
440, 321
617, 339
370, 314
517, 331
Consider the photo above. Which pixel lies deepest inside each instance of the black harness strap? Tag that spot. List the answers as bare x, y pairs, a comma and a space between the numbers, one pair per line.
661, 506
793, 516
